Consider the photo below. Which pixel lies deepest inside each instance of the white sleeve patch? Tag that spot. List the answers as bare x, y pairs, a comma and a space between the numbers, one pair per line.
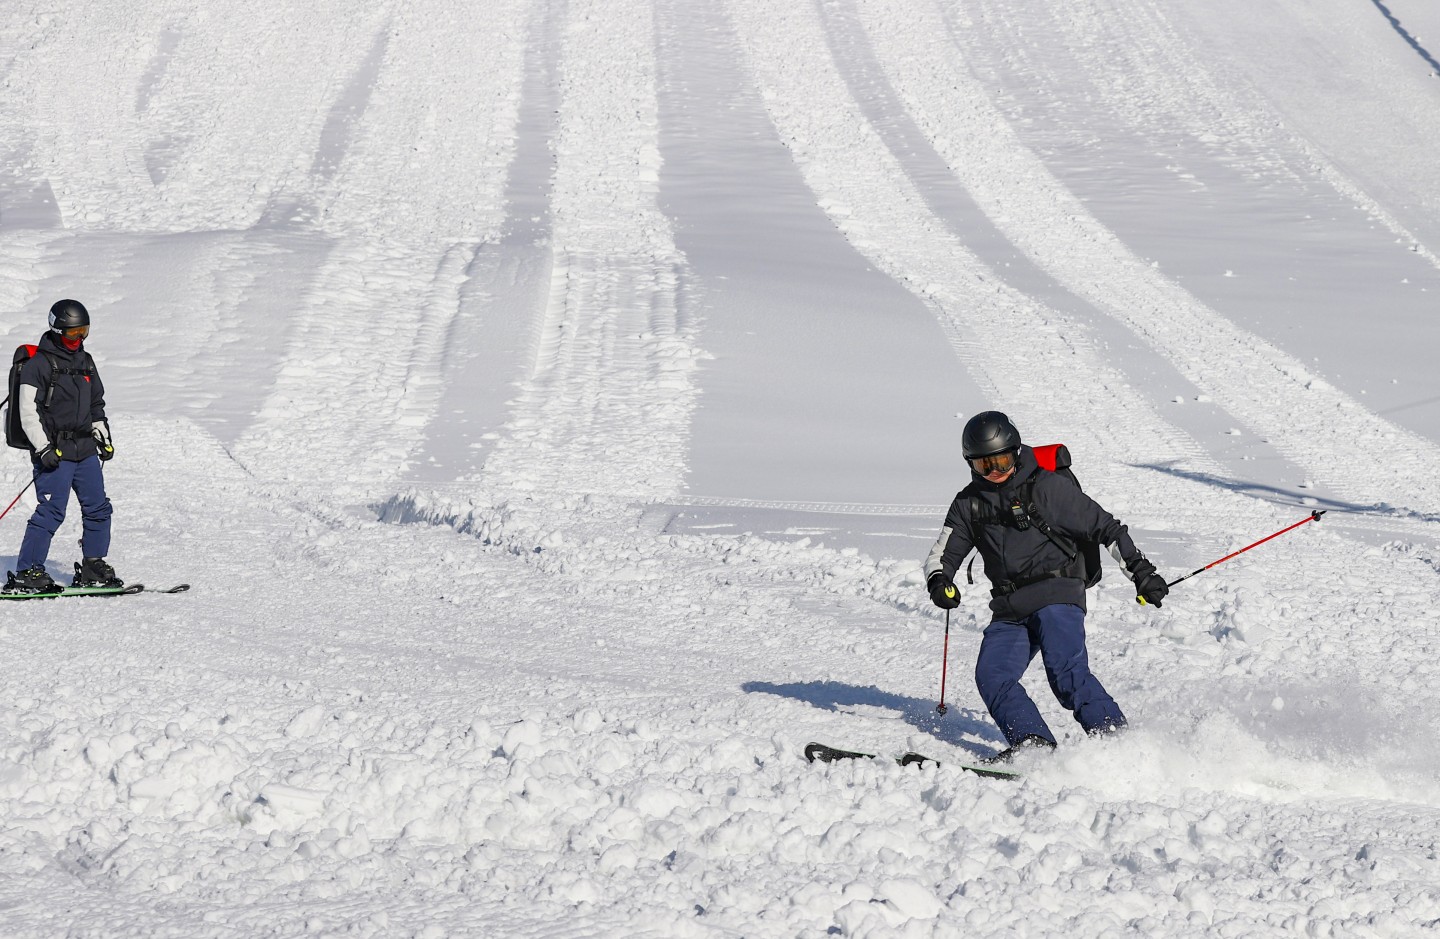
30, 416
1115, 553
933, 563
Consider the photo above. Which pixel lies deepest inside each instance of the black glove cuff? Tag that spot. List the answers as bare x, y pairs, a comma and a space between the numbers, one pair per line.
1140, 567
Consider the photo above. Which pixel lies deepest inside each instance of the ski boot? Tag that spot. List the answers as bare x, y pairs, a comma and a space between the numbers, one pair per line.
94, 572
1028, 742
34, 580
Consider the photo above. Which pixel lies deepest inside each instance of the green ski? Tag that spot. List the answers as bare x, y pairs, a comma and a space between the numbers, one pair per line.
126, 590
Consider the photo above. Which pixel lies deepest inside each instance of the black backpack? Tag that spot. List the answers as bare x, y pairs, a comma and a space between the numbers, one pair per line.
1022, 513
14, 433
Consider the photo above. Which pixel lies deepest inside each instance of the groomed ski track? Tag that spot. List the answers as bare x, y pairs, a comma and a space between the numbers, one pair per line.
468, 656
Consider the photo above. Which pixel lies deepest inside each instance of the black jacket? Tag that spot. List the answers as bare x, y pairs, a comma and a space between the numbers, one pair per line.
70, 396
1013, 555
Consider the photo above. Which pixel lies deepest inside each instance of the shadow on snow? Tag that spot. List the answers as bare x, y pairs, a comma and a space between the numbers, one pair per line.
1280, 496
951, 728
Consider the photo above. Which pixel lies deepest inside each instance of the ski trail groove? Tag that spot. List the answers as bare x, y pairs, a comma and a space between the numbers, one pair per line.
1028, 356
419, 190
606, 407
1303, 416
950, 202
1142, 68
224, 141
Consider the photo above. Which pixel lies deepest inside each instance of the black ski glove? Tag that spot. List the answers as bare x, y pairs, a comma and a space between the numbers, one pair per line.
942, 592
1150, 587
49, 458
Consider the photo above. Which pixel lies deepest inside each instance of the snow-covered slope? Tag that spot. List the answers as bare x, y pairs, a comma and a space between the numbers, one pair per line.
551, 404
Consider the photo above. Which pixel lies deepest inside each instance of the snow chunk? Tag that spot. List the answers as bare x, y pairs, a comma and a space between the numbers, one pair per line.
911, 898
306, 723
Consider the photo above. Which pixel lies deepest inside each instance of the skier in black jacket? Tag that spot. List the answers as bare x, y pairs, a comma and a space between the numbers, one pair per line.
1038, 595
61, 408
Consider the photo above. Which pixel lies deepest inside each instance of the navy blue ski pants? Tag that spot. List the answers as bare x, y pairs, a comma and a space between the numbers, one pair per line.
1057, 633
52, 488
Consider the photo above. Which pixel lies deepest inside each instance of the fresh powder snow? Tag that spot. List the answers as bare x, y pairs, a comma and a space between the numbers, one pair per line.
551, 404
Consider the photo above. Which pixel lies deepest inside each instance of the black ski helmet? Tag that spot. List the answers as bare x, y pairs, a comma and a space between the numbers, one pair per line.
987, 434
68, 314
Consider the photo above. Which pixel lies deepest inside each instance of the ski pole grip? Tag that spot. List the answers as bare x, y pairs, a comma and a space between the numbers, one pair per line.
950, 590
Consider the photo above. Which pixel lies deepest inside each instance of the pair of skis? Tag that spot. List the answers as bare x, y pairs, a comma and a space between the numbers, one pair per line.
819, 752
124, 591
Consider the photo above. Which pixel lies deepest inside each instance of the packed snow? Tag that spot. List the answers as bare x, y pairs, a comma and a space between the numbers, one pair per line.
552, 403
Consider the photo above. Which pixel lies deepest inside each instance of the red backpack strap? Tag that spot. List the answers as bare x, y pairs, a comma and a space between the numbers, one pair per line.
1054, 457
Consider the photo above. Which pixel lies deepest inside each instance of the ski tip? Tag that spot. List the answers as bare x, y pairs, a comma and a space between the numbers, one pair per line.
138, 588
828, 754
990, 772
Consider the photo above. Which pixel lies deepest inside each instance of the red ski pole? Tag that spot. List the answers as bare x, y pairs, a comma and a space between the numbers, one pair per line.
17, 496
1314, 517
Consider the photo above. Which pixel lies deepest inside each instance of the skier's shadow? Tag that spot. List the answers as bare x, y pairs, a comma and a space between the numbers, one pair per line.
951, 727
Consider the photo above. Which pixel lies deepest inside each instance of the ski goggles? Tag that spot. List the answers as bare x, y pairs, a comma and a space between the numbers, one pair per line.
76, 332
995, 462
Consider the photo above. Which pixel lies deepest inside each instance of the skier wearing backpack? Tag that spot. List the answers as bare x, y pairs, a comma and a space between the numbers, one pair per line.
57, 412
1029, 526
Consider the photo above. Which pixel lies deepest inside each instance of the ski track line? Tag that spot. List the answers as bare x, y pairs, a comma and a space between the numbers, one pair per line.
343, 388
18, 32
1144, 71
507, 283
1136, 54
213, 272
1026, 354
239, 107
1319, 428
950, 203
1345, 38
121, 100
19, 275
363, 373
18, 171
429, 161
75, 87
607, 406
422, 387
